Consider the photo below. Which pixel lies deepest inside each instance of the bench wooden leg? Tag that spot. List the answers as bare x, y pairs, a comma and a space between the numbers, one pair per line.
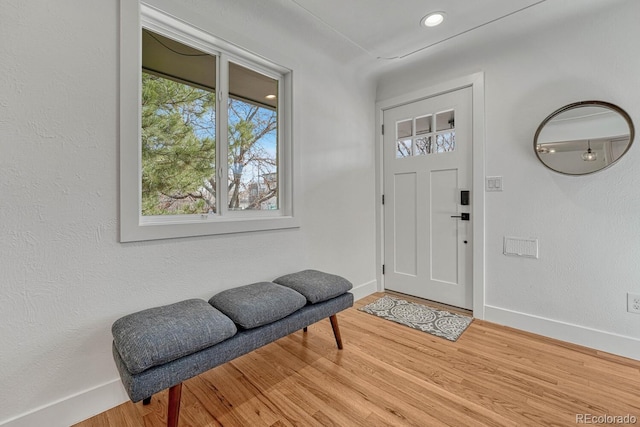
174, 405
336, 330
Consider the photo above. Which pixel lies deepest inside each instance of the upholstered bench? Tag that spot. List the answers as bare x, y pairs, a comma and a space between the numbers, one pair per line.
161, 347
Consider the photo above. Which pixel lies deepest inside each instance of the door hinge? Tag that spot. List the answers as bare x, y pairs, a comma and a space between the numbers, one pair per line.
383, 199
383, 129
382, 268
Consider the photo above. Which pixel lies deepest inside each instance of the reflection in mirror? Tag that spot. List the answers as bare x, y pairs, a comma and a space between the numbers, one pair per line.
583, 137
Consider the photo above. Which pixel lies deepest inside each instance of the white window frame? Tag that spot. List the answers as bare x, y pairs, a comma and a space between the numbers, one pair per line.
133, 226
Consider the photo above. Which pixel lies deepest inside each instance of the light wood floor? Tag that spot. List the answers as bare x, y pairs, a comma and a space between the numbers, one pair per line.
391, 375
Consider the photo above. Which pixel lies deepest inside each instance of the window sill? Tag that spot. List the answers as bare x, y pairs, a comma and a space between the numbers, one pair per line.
143, 231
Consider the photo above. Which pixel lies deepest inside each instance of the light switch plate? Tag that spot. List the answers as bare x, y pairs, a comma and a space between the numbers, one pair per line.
633, 303
493, 183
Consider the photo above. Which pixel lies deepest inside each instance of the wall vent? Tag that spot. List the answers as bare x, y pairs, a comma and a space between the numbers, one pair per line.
518, 246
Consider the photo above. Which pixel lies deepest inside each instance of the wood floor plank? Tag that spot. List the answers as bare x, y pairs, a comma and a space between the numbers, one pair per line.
392, 375
302, 393
103, 419
409, 388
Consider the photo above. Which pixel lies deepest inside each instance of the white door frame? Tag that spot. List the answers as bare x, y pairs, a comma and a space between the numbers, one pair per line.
476, 82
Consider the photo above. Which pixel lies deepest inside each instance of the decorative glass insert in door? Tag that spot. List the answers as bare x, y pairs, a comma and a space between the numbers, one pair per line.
425, 135
404, 132
445, 132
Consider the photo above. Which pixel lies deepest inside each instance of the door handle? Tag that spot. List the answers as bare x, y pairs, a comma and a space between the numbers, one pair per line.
463, 216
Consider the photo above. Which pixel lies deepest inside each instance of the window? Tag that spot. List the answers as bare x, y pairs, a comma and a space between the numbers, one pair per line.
252, 140
415, 136
211, 152
178, 128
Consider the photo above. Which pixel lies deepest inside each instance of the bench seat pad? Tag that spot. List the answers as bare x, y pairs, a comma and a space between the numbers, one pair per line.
159, 335
315, 285
258, 304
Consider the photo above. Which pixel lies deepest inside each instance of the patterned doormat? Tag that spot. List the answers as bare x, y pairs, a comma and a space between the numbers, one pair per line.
417, 316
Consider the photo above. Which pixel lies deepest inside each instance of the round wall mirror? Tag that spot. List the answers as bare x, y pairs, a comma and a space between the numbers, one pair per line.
583, 137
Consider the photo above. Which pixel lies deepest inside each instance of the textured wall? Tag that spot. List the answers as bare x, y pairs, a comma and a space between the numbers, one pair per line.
65, 277
587, 226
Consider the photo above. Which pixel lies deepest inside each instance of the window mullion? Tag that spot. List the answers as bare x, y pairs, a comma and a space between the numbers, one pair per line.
222, 132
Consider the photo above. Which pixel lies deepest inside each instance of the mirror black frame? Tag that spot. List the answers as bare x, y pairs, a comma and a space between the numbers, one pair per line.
572, 106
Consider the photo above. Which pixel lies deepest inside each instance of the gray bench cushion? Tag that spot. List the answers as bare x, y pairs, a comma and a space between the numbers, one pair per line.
159, 335
315, 285
257, 304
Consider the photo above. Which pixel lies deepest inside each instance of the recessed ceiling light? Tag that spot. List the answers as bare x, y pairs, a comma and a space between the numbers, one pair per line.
432, 19
270, 97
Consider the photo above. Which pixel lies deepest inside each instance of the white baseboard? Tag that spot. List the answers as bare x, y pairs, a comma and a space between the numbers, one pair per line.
364, 290
588, 337
72, 409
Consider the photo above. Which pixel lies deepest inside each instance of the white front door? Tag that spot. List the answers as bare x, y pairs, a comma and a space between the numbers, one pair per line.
427, 166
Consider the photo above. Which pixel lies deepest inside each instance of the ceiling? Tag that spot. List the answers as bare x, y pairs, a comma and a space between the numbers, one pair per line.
374, 35
391, 29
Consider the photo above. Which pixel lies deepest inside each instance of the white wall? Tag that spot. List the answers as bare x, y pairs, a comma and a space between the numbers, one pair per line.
588, 227
65, 277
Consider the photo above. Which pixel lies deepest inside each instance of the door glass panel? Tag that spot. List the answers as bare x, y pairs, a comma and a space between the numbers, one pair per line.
430, 141
423, 146
404, 129
403, 148
445, 121
423, 125
445, 142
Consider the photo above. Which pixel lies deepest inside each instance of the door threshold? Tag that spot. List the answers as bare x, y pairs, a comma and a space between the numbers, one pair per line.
435, 304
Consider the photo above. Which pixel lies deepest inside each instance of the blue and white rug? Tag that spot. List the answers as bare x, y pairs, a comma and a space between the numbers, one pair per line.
440, 323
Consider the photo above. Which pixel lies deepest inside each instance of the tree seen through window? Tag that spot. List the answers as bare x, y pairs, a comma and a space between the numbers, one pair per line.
179, 150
